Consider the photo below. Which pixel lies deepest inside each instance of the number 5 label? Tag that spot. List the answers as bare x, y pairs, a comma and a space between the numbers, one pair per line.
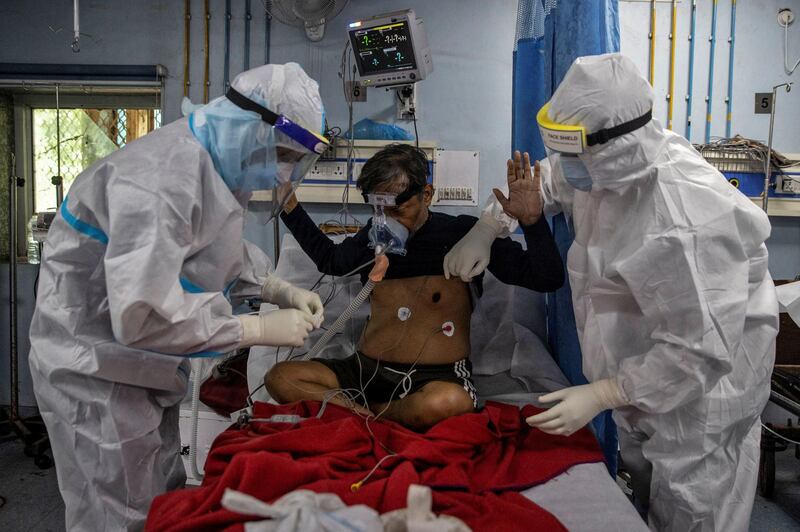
763, 103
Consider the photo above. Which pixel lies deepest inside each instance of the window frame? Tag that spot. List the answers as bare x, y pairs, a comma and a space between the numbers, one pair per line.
88, 96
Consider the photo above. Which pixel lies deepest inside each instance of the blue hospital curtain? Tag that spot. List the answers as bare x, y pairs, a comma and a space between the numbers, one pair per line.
550, 35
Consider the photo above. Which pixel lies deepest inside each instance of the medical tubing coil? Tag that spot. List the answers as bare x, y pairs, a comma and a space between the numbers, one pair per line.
343, 318
193, 442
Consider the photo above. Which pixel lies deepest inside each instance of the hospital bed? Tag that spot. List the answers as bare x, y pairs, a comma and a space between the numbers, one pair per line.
510, 365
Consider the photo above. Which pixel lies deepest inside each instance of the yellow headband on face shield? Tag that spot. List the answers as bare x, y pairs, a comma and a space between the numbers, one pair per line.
574, 139
560, 137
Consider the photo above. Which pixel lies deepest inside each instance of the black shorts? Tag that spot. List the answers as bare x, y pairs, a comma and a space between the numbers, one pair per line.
394, 381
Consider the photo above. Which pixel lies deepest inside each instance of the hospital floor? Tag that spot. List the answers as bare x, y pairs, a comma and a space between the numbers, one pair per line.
29, 498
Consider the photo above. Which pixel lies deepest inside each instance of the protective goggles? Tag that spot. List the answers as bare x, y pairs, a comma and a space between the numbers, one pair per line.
313, 142
574, 139
397, 199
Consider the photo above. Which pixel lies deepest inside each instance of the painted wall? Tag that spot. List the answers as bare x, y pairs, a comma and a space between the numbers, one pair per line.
758, 65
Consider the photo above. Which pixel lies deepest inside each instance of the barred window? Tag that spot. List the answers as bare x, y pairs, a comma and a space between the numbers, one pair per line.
54, 127
79, 138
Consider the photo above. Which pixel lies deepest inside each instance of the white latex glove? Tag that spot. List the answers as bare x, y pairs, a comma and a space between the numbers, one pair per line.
470, 256
277, 328
286, 295
577, 406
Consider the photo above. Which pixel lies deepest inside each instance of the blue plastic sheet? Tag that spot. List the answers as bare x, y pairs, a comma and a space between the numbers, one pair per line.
371, 130
550, 35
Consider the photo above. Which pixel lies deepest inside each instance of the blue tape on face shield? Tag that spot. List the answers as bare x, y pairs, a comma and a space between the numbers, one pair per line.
575, 172
386, 235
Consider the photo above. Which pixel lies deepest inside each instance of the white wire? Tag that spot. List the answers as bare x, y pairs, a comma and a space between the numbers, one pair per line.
780, 436
789, 71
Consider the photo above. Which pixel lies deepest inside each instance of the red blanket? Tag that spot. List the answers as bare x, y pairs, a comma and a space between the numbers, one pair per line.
475, 464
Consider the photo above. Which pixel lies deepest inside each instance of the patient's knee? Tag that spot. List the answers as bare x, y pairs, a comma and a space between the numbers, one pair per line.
276, 381
447, 402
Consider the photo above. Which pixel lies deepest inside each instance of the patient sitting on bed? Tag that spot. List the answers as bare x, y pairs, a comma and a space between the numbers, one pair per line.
412, 362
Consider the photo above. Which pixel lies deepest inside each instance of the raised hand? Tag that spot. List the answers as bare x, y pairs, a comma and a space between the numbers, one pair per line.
524, 200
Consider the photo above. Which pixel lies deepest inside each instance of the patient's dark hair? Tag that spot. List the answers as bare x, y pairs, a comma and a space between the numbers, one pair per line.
395, 163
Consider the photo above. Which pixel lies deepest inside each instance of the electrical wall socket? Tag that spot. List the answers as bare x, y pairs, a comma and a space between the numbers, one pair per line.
789, 184
332, 171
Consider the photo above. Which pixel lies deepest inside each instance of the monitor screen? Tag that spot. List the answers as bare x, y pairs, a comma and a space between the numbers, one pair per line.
384, 48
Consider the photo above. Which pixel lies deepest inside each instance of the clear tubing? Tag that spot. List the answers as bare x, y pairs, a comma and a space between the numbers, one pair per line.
343, 318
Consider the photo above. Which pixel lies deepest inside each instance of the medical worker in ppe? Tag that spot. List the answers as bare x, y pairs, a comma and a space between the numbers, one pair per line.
139, 268
675, 308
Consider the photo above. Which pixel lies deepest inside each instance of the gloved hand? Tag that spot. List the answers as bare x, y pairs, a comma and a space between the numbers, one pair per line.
470, 256
577, 406
277, 328
285, 295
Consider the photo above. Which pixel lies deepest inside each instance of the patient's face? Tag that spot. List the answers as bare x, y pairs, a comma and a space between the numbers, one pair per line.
413, 213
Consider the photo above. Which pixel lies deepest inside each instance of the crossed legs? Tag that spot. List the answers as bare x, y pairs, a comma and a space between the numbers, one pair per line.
293, 381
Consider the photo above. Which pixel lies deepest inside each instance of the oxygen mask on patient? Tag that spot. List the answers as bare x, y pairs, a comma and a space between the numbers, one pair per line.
386, 235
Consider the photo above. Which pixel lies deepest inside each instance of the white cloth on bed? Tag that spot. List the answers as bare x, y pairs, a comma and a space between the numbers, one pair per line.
302, 510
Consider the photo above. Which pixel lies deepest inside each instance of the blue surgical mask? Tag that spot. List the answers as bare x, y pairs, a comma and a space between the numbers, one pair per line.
575, 172
241, 145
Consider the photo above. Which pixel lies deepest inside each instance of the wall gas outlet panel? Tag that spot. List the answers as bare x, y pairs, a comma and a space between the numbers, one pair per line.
456, 179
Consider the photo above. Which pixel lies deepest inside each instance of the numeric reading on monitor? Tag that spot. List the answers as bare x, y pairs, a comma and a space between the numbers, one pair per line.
385, 48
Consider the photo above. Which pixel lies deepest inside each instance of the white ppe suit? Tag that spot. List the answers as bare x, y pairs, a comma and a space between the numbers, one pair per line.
673, 301
138, 269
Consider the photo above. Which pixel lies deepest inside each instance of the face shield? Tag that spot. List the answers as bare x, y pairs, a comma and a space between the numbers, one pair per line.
287, 152
560, 138
386, 235
571, 140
